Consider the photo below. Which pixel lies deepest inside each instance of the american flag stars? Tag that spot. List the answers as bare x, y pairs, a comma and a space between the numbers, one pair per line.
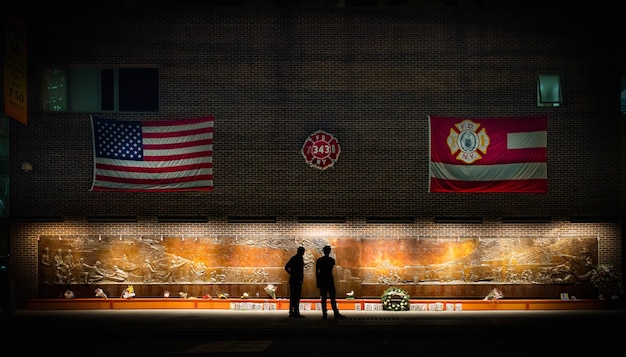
119, 140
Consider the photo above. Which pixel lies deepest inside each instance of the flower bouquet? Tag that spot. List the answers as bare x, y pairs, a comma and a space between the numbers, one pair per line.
604, 276
100, 293
350, 295
494, 294
129, 293
606, 279
270, 289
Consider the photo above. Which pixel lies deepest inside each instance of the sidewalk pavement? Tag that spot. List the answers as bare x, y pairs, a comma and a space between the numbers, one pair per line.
120, 333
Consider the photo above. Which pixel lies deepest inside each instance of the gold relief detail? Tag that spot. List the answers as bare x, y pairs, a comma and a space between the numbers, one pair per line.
205, 261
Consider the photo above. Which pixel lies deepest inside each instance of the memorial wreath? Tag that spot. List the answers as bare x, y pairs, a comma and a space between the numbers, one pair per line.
395, 299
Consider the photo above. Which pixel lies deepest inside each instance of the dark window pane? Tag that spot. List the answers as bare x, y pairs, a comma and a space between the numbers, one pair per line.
107, 95
83, 89
138, 90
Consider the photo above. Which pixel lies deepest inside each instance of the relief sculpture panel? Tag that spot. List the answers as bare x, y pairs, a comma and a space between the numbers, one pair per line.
471, 260
365, 266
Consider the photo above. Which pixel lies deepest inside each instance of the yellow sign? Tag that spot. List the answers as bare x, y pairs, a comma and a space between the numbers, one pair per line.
15, 91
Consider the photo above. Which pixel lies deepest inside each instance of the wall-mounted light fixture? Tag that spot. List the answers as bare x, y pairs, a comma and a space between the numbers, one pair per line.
390, 220
27, 166
96, 219
315, 219
185, 219
35, 219
526, 219
252, 219
454, 219
593, 219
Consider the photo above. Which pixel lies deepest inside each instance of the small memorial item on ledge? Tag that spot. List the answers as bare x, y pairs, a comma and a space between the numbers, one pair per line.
270, 289
207, 296
183, 295
245, 296
494, 294
608, 281
395, 299
129, 293
166, 294
350, 295
68, 294
100, 293
223, 296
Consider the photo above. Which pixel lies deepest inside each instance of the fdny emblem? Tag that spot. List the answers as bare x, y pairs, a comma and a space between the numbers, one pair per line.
321, 150
468, 141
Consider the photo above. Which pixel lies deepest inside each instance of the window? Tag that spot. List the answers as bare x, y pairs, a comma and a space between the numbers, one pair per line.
623, 95
93, 89
549, 90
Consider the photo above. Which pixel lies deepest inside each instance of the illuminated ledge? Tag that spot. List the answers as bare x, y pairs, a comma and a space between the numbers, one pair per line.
283, 304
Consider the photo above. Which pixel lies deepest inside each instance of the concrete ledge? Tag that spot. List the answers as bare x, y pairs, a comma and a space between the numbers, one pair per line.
312, 304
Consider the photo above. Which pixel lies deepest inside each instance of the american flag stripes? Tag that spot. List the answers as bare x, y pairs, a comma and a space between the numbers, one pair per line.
155, 155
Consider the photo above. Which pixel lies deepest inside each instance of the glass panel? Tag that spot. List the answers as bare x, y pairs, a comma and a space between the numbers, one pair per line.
139, 89
4, 125
4, 146
54, 90
4, 204
4, 167
84, 89
623, 95
549, 90
107, 97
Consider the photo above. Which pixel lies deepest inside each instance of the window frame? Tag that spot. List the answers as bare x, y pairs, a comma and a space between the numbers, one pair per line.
101, 89
549, 90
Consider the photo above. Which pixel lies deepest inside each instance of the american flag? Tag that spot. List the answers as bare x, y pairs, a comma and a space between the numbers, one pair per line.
156, 155
488, 154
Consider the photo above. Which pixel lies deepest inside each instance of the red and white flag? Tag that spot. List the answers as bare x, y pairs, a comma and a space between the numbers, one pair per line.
488, 154
157, 155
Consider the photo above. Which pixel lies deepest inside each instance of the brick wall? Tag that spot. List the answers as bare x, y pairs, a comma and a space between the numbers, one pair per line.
370, 77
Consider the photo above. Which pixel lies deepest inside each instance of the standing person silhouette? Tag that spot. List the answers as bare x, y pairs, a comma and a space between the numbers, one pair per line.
326, 282
295, 268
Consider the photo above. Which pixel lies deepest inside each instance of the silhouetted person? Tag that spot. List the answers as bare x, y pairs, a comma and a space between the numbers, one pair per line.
326, 282
295, 268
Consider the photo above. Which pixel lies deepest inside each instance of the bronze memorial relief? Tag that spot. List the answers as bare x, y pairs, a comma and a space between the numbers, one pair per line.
424, 266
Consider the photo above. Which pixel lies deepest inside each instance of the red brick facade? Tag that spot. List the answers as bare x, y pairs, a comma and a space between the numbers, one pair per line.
371, 78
